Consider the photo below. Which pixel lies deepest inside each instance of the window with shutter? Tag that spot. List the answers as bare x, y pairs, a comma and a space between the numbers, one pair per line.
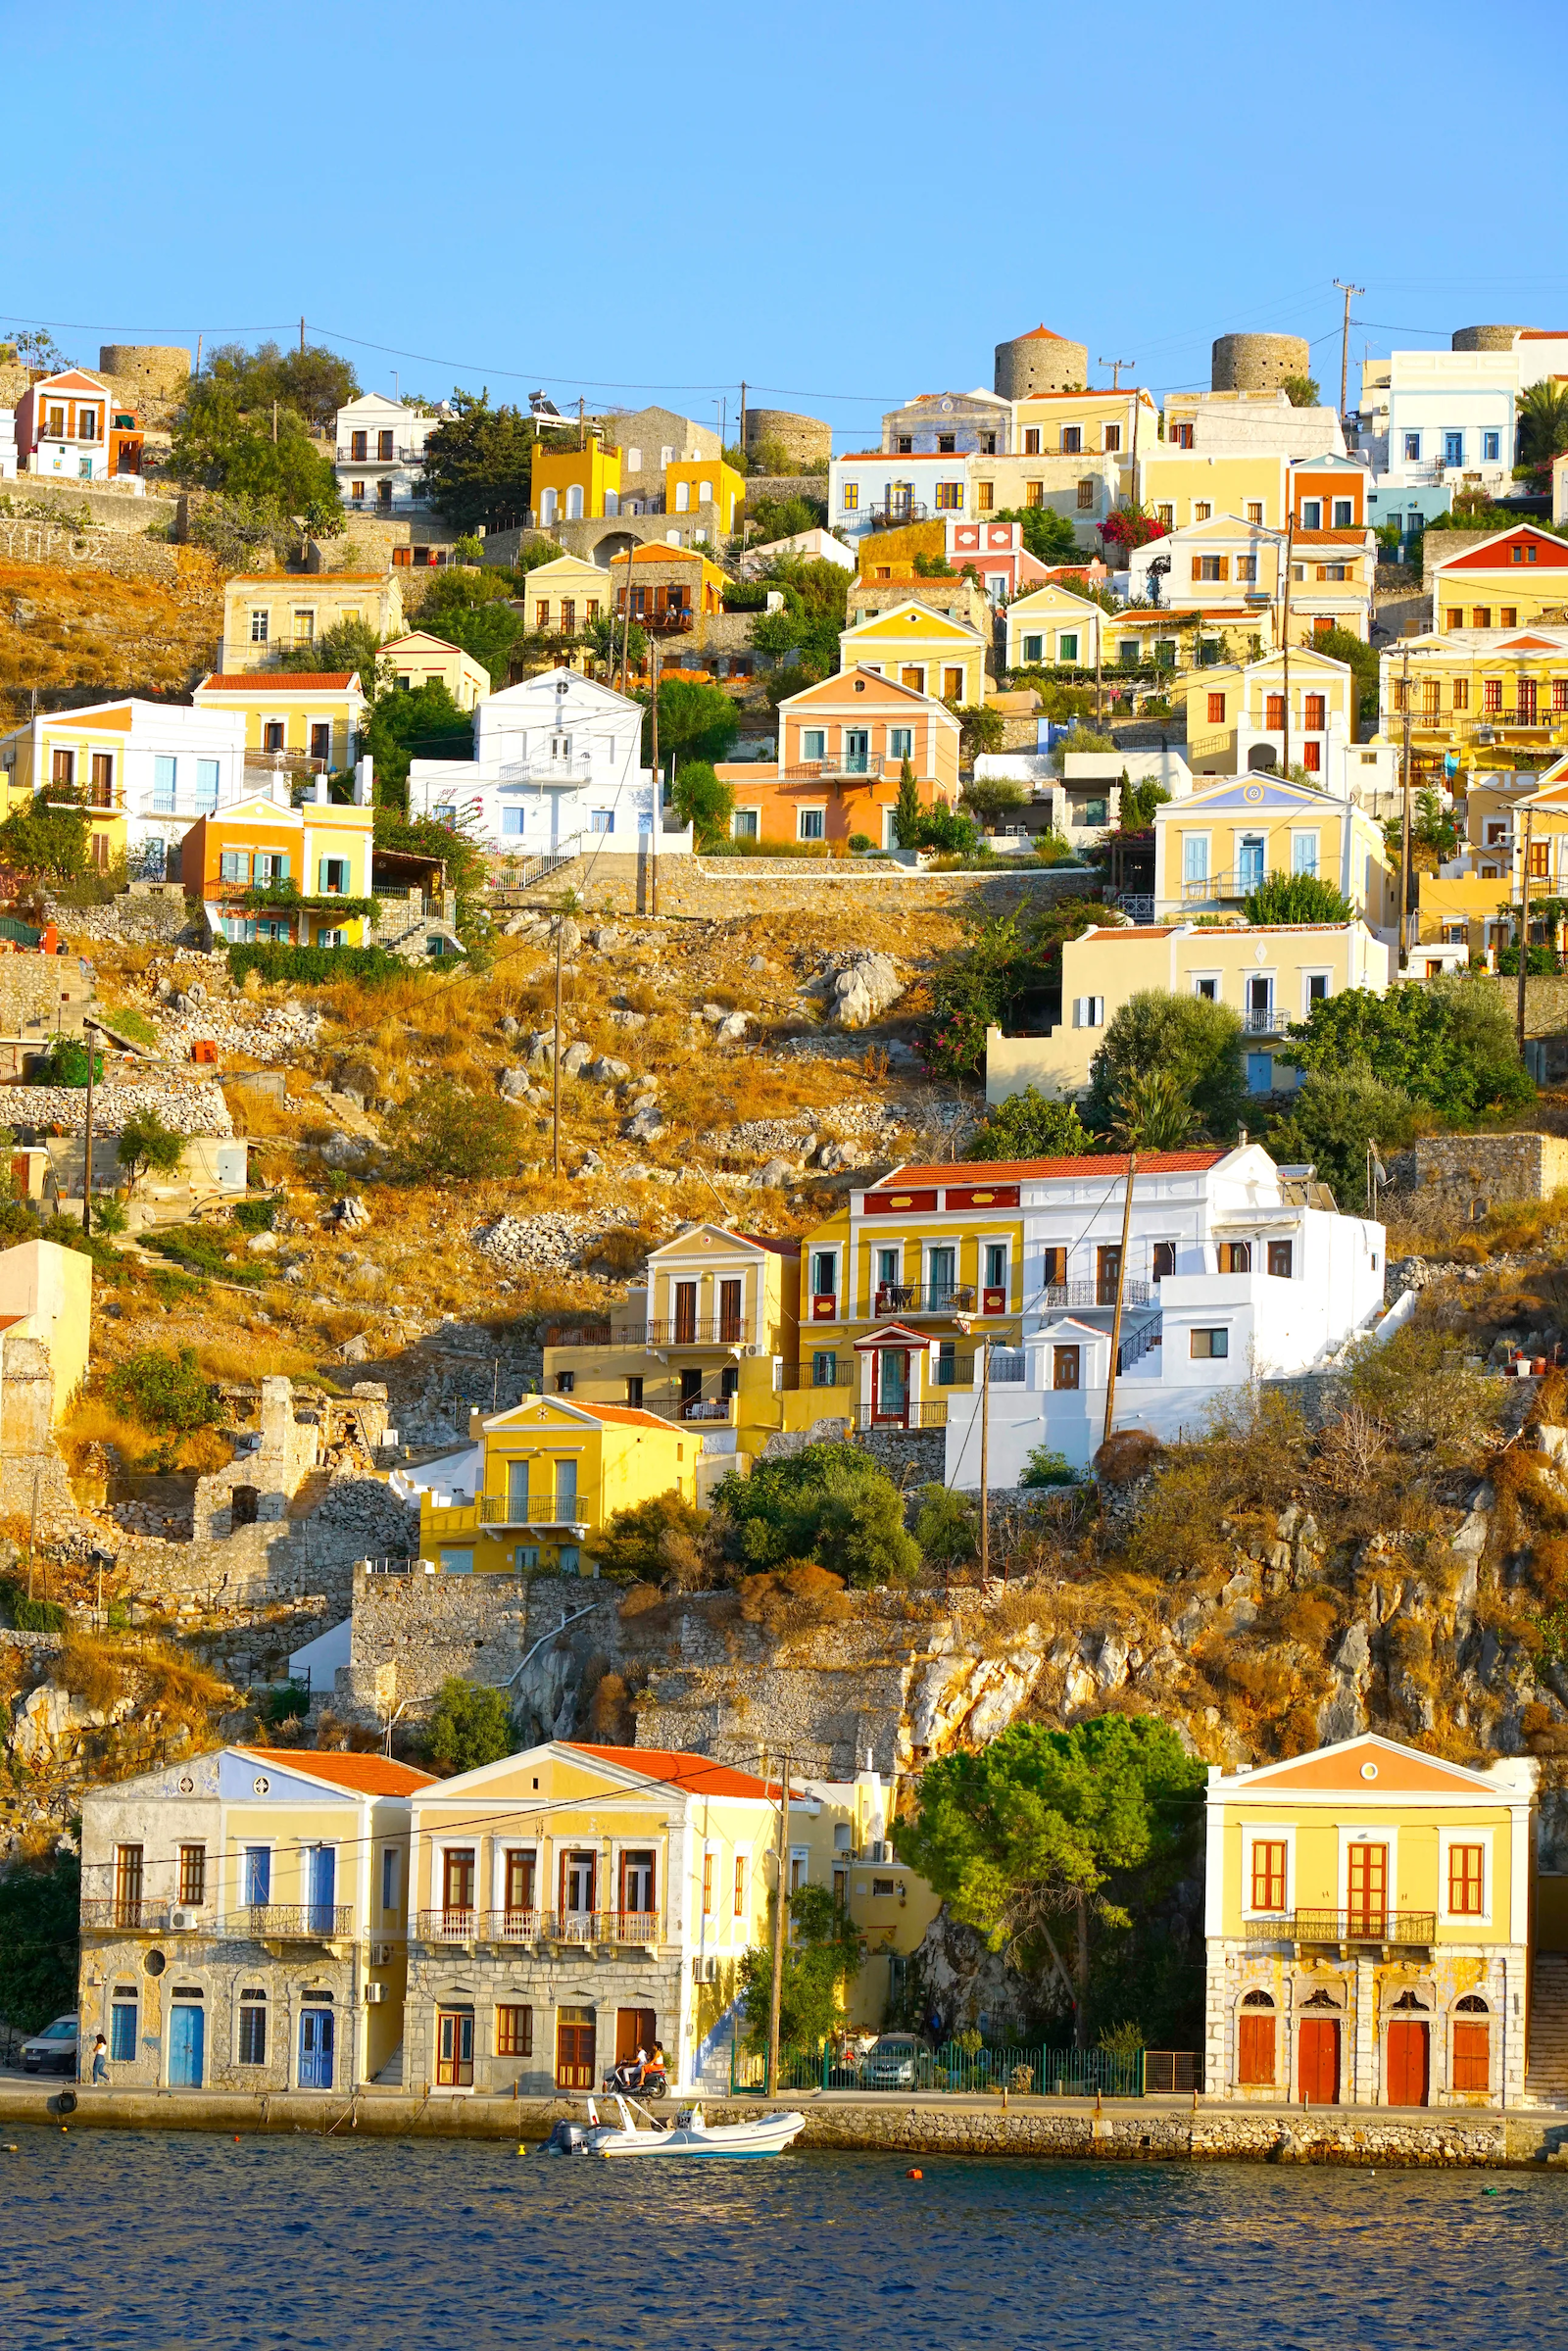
1268, 1871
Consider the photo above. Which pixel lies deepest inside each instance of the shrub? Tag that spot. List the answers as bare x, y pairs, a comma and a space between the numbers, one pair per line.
316, 966
66, 1064
28, 1615
1045, 1467
947, 1527
828, 1502
1297, 898
1195, 1042
285, 1702
1030, 1126
109, 1214
40, 1908
1449, 1042
146, 1143
468, 1727
635, 1543
163, 1390
256, 1215
705, 802
445, 1132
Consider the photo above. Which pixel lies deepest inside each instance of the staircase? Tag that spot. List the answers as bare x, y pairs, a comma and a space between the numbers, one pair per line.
391, 2075
1547, 2081
310, 1492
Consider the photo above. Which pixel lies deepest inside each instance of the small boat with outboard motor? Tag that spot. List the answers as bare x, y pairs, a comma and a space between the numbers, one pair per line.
690, 2133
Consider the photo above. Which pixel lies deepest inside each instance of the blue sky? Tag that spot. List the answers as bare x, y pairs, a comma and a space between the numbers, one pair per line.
845, 204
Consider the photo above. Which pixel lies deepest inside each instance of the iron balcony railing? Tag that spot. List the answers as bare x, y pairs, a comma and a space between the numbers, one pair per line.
719, 1409
1414, 1928
1095, 1293
1263, 1020
124, 1914
891, 514
699, 1330
924, 1298
459, 1925
530, 1510
1139, 1344
579, 769
399, 455
291, 1921
793, 1377
1009, 1368
908, 1416
855, 765
597, 1334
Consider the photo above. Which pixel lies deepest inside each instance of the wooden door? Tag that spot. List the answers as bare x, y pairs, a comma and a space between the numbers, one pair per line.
1256, 2051
457, 1881
1107, 1275
635, 2029
1317, 2060
685, 1313
1368, 1890
575, 2049
519, 1883
1472, 2057
1407, 2063
453, 2048
729, 1310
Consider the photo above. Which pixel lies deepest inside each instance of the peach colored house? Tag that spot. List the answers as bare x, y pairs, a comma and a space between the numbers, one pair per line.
842, 747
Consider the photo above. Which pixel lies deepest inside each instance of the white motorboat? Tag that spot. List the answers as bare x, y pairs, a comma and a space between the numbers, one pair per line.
690, 2133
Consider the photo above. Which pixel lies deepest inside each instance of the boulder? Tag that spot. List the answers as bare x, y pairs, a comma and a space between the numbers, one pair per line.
863, 990
508, 1026
356, 1350
351, 1215
732, 1028
569, 935
516, 1085
647, 1123
575, 1059
607, 1071
261, 1244
776, 1172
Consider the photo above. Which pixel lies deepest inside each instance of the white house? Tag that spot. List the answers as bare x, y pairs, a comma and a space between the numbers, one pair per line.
8, 445
1236, 1270
163, 763
1434, 417
381, 454
555, 757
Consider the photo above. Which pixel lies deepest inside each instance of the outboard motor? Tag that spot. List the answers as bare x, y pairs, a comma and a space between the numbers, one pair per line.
567, 2139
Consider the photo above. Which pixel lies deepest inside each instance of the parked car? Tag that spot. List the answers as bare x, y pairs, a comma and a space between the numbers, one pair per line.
53, 2050
895, 2061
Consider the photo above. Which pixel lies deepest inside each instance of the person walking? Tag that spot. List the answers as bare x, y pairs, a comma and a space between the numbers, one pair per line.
100, 2063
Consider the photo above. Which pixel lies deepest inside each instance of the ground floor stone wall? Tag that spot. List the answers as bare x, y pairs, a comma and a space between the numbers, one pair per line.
544, 1979
221, 1976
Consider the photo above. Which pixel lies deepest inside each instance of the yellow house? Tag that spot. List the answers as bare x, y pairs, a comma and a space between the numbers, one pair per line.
1270, 973
1085, 424
1223, 631
1367, 1915
1249, 716
1493, 698
693, 482
421, 659
266, 870
706, 1343
566, 596
1183, 486
268, 611
244, 1920
45, 1296
1510, 580
1050, 627
571, 485
81, 755
1213, 849
302, 720
536, 1483
1219, 560
920, 649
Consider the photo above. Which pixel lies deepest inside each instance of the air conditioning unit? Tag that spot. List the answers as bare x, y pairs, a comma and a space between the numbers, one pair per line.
704, 1970
182, 1921
374, 1992
380, 1956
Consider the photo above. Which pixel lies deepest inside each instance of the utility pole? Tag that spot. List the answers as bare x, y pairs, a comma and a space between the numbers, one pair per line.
1346, 289
582, 439
1404, 827
1524, 928
1285, 636
86, 1172
33, 1528
1115, 366
777, 1987
302, 337
554, 1059
1121, 1284
659, 791
743, 414
625, 634
985, 1457
274, 424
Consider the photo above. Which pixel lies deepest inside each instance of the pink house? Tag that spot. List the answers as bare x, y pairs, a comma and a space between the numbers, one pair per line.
998, 552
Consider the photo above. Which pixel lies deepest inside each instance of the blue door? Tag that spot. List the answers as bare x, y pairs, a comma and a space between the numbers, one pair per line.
187, 2045
323, 1887
316, 2048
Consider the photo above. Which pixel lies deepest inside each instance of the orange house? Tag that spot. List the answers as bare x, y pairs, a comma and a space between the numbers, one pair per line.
842, 747
1330, 493
270, 871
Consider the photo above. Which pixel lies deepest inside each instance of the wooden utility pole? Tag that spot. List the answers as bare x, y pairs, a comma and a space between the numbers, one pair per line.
582, 438
274, 424
302, 338
1405, 821
554, 1059
1523, 933
1116, 366
626, 633
659, 791
743, 414
985, 1457
1346, 289
777, 1988
1121, 1284
86, 1172
1284, 637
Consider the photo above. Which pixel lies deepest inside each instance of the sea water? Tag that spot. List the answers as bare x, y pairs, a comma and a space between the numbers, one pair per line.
164, 2241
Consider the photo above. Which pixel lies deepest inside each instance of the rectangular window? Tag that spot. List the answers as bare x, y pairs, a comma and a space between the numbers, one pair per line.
207, 780
253, 2027
1031, 440
1033, 493
1088, 1011
359, 447
513, 2030
1167, 515
1508, 615
996, 1274
1067, 645
824, 1368
457, 1880
122, 2025
1274, 713
813, 742
1034, 648
389, 1877
1111, 440
1317, 988
1344, 513
1412, 449
952, 685
383, 446
984, 497
851, 497
739, 1886
1164, 1258
634, 1390
1064, 1367
1315, 717
1462, 694
1216, 710
1053, 1268
128, 1885
707, 1884
1491, 696
164, 775
1269, 1875
1311, 514
193, 1874
1182, 436
1072, 439
824, 1273
1279, 1259
272, 734
256, 1879
1208, 566
1312, 757
234, 865
520, 1888
950, 496
809, 824
335, 877
901, 742
1209, 1346
602, 820
305, 628
1303, 852
1246, 570
63, 769
1235, 1256
1086, 497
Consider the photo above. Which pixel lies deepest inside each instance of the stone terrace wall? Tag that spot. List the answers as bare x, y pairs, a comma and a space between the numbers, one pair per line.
139, 917
116, 551
1444, 1176
711, 887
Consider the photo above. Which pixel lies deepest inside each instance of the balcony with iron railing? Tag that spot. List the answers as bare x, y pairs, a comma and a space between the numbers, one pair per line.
400, 453
530, 1510
1101, 1291
886, 514
699, 1330
1410, 1930
1009, 1368
793, 1378
853, 767
926, 1415
1264, 1020
291, 1921
463, 1927
124, 1914
923, 1297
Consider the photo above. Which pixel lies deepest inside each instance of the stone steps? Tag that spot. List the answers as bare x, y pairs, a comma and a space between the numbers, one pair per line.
391, 2075
1546, 2080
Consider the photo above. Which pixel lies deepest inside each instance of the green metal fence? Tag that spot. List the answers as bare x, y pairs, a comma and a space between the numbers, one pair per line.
952, 2068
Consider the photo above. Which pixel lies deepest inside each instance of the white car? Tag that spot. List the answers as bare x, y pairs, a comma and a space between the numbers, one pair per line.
53, 2050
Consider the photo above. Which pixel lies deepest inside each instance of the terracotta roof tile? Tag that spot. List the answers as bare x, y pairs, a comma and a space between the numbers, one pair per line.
697, 1773
1092, 1164
365, 1774
277, 681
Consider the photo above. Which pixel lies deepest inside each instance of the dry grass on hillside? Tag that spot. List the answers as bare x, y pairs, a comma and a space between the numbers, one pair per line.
82, 626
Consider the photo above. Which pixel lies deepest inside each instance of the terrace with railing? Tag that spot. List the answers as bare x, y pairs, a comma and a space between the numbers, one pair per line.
1411, 1929
578, 1927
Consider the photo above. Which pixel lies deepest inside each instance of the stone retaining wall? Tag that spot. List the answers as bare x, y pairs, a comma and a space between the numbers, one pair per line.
118, 552
1442, 1177
746, 886
149, 918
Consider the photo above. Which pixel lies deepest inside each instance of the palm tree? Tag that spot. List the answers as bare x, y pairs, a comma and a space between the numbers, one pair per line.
1153, 1112
1543, 426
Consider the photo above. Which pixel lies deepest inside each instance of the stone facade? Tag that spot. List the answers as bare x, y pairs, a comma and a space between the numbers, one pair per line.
1243, 363
127, 558
1443, 1177
544, 1979
732, 887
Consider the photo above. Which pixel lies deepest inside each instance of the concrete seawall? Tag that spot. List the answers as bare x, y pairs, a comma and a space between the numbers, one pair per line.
1145, 2130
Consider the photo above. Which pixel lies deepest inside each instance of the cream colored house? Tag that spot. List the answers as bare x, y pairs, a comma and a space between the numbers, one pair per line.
1050, 627
921, 649
1214, 848
566, 596
1237, 716
1271, 974
267, 612
420, 660
1223, 558
1182, 485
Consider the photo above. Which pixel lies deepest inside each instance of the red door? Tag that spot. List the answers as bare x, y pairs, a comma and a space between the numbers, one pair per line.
1317, 2060
1472, 2057
1256, 2052
1407, 2063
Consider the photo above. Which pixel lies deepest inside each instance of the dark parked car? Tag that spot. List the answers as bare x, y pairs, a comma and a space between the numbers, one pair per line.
897, 2061
53, 2050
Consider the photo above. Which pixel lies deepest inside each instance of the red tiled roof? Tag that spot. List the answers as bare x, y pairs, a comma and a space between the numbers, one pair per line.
1039, 334
700, 1774
1093, 1163
297, 581
367, 1775
277, 681
768, 1240
619, 1413
1331, 538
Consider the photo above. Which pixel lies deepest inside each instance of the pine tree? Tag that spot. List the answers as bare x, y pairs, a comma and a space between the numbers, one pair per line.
907, 815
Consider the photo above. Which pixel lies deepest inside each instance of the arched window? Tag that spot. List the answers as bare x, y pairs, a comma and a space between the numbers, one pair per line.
575, 503
1258, 1999
1472, 2045
1472, 2005
547, 508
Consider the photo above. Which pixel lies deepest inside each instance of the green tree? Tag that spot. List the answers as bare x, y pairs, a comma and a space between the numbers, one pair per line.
947, 1526
705, 802
1543, 428
1302, 391
425, 723
1155, 1112
1048, 536
347, 644
1343, 645
1007, 973
1331, 1119
816, 605
1030, 1126
40, 1912
446, 1133
830, 1503
478, 464
66, 1063
1446, 1042
988, 796
772, 518
695, 721
164, 1388
1044, 1466
980, 729
907, 813
821, 1960
1036, 1825
48, 842
610, 639
1197, 1042
468, 1727
474, 610
1139, 803
316, 382
224, 440
1297, 898
1433, 833
148, 1146
635, 1543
